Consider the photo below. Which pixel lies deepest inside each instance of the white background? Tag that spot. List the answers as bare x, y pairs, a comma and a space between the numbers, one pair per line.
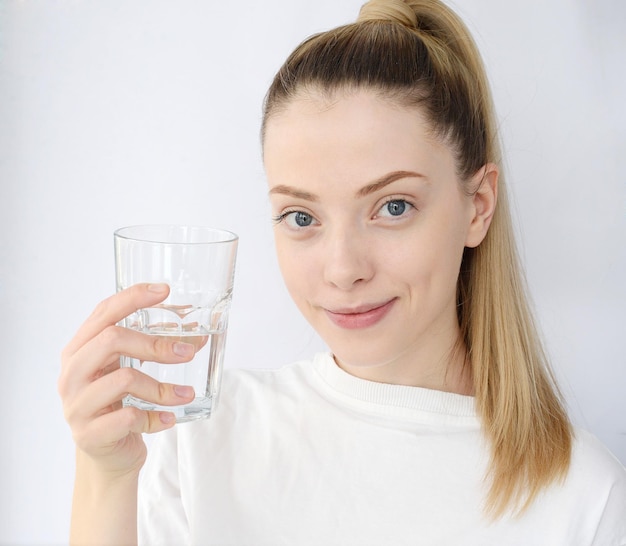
147, 111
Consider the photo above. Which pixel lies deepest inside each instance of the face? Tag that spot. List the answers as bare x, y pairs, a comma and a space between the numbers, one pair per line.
370, 225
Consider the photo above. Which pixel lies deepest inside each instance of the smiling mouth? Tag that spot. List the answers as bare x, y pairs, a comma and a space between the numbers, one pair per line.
363, 316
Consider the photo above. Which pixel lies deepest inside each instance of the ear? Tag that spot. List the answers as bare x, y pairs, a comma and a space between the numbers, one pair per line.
483, 204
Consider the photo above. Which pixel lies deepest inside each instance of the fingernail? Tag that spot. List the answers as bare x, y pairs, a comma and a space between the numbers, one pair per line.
167, 418
183, 349
183, 391
157, 287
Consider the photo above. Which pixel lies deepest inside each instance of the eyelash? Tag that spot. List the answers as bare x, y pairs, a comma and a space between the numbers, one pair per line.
281, 217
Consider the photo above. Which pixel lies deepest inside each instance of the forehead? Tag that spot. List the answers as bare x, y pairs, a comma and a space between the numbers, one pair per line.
362, 104
349, 134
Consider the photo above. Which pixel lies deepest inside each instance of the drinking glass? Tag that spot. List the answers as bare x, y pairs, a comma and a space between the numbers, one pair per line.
198, 264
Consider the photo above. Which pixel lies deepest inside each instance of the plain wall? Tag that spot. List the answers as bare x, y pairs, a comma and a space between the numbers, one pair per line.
147, 111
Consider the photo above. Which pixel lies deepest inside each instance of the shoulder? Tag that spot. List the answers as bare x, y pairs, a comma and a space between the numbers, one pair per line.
259, 413
595, 472
593, 462
598, 478
251, 399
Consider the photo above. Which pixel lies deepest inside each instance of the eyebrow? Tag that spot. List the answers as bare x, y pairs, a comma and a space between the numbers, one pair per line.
365, 190
293, 192
386, 180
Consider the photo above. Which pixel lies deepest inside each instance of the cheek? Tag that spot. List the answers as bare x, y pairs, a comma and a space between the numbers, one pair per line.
430, 257
296, 268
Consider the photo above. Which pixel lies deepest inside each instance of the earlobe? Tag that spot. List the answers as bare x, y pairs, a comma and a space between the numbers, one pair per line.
484, 201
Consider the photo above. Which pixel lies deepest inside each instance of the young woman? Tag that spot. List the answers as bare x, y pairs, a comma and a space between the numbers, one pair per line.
434, 418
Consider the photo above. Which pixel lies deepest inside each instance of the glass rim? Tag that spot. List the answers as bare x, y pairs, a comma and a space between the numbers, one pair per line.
128, 233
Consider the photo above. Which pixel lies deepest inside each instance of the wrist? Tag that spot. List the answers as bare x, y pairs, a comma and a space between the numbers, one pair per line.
105, 503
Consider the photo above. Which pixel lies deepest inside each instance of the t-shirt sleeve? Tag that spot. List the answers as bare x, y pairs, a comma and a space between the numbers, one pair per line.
611, 529
161, 518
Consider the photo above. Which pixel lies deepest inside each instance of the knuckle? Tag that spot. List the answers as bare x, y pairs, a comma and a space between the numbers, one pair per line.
158, 346
66, 359
155, 344
68, 414
130, 417
124, 379
163, 392
62, 385
65, 354
109, 336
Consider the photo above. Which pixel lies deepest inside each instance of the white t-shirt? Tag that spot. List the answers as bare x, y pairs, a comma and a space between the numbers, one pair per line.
310, 455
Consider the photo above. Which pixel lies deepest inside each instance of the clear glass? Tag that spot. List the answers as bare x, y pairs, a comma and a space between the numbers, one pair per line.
198, 263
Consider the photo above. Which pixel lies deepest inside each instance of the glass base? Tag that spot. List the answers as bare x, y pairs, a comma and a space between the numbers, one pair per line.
200, 408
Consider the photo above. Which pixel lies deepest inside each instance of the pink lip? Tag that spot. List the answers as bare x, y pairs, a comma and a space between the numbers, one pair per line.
363, 316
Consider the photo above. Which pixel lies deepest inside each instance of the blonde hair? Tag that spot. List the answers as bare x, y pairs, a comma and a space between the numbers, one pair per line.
419, 53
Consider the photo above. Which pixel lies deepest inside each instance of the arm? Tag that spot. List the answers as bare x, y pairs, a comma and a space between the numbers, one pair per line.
109, 447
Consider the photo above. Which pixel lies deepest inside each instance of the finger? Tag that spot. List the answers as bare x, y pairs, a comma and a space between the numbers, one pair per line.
113, 309
107, 391
103, 353
106, 433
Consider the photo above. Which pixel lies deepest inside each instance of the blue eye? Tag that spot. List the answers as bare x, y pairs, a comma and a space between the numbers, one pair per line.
296, 219
301, 219
395, 207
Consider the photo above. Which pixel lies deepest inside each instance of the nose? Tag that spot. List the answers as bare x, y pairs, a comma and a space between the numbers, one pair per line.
348, 259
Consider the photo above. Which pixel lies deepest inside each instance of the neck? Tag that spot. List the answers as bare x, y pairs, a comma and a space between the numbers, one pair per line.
446, 370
